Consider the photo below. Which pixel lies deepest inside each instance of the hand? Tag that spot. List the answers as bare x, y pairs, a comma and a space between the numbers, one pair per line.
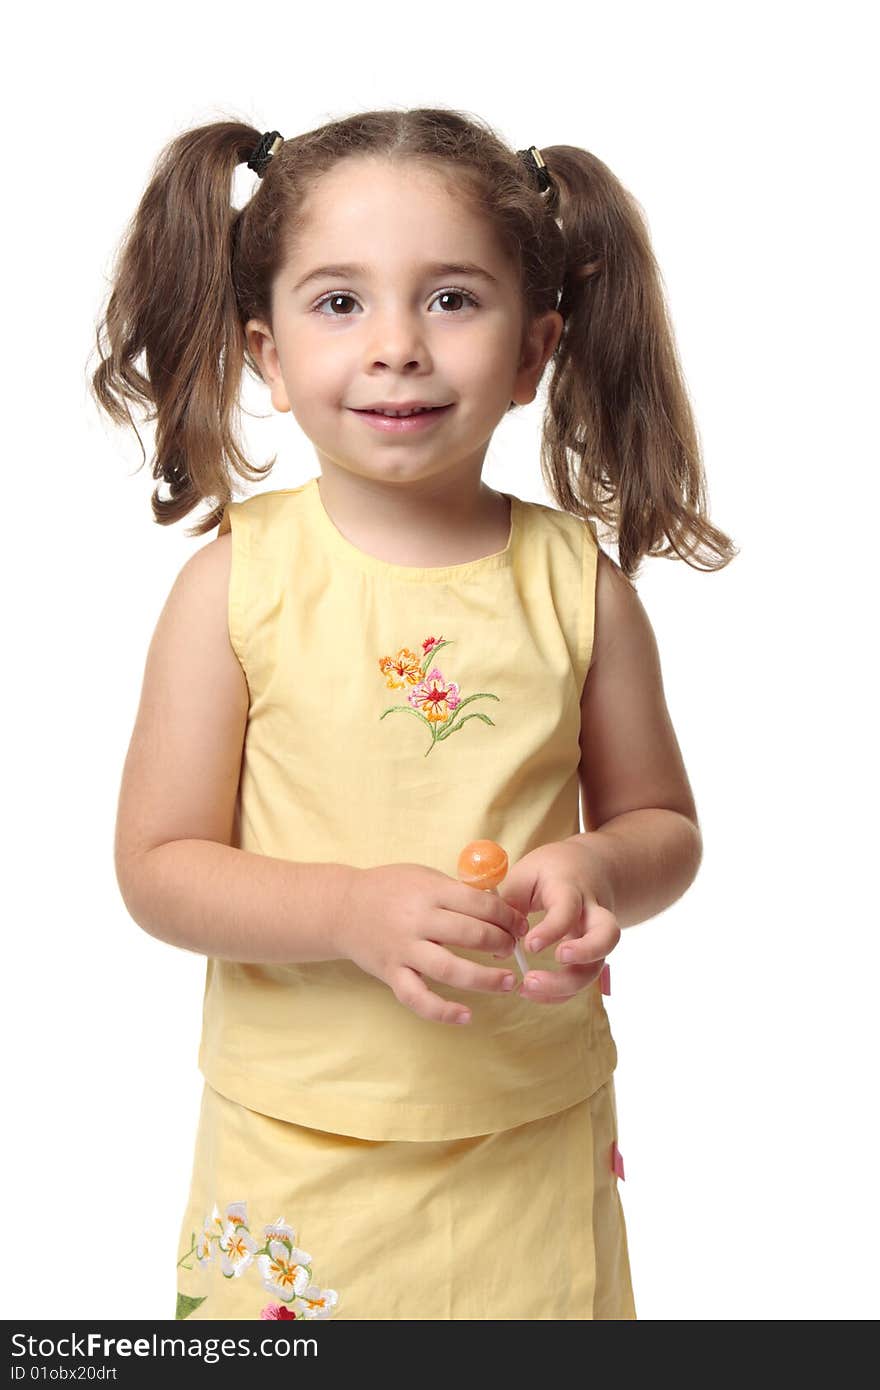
398, 920
560, 878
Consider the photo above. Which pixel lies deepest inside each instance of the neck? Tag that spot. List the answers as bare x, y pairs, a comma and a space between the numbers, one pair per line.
444, 519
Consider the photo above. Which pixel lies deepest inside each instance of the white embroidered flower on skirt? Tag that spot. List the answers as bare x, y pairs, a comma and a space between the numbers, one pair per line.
204, 1251
285, 1270
279, 1230
238, 1248
214, 1224
221, 1228
315, 1302
236, 1215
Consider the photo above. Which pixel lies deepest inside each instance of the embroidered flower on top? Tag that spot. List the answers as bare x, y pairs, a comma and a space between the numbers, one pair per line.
434, 700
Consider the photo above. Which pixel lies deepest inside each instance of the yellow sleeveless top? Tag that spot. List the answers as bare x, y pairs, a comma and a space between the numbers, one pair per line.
487, 660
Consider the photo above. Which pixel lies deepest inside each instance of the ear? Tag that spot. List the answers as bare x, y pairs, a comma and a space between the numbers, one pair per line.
539, 344
261, 344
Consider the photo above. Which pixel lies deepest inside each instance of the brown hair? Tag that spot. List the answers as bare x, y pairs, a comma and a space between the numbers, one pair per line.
619, 438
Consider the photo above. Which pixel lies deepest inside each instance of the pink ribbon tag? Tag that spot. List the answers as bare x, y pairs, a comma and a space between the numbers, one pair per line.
605, 978
617, 1160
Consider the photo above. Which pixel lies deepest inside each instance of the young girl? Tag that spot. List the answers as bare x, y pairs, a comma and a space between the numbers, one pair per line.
359, 1154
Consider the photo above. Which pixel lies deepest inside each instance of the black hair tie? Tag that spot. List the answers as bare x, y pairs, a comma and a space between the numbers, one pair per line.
536, 167
269, 144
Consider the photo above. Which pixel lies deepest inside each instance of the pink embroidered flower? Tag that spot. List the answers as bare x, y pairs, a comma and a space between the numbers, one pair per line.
435, 697
276, 1310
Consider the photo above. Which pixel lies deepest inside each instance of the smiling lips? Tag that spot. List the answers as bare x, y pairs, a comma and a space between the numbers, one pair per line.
419, 418
401, 407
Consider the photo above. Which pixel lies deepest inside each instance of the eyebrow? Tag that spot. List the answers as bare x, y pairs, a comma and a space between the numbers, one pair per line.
323, 272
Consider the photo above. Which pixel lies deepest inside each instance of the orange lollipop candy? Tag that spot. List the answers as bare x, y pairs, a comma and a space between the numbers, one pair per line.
483, 864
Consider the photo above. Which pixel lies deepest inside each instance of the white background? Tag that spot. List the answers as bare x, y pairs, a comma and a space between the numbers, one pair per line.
744, 1014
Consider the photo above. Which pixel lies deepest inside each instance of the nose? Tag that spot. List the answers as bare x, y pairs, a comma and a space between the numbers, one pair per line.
397, 340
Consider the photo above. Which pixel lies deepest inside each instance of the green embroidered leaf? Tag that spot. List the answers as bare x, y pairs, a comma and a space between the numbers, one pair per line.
484, 695
186, 1305
454, 728
189, 1252
405, 709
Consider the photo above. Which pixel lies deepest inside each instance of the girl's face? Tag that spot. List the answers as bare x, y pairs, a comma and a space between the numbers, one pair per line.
394, 326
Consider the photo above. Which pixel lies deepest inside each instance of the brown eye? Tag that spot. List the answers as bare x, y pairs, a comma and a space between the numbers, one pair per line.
455, 294
334, 299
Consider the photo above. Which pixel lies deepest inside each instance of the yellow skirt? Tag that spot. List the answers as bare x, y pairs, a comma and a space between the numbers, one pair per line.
289, 1222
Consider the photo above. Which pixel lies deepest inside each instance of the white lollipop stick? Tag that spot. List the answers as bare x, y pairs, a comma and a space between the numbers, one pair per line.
483, 863
518, 951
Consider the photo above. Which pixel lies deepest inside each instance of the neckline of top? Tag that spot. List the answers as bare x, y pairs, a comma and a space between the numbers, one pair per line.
372, 564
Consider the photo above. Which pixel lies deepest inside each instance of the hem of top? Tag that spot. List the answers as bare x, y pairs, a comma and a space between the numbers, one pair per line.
357, 1118
589, 584
236, 600
418, 574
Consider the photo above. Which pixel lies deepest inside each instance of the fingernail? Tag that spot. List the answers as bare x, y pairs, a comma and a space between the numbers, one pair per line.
530, 982
537, 944
566, 953
508, 982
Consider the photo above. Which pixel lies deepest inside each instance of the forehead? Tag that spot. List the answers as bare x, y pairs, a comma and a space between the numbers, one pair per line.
365, 209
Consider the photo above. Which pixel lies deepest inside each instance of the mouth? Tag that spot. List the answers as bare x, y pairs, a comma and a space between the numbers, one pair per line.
398, 414
404, 424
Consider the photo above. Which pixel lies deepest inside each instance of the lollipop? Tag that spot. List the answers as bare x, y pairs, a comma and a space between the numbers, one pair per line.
483, 864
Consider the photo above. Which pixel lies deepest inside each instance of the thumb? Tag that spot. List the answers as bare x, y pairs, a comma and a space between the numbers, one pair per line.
520, 889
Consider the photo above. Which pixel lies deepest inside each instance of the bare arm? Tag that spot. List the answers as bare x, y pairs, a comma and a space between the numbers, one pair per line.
226, 902
644, 842
180, 877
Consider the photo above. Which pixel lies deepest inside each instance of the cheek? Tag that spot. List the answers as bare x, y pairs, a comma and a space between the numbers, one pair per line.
488, 355
318, 381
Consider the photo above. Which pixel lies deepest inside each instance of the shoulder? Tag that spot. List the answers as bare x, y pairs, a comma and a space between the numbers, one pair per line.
630, 757
199, 592
622, 629
207, 571
621, 618
260, 510
608, 592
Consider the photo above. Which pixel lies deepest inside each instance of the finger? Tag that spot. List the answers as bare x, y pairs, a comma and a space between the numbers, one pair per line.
411, 991
444, 965
557, 986
565, 914
456, 929
489, 907
599, 938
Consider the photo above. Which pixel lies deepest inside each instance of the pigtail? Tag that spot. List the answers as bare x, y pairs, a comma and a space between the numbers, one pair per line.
172, 329
620, 441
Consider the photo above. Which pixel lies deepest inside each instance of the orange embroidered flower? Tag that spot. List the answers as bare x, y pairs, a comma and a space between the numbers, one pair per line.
401, 670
